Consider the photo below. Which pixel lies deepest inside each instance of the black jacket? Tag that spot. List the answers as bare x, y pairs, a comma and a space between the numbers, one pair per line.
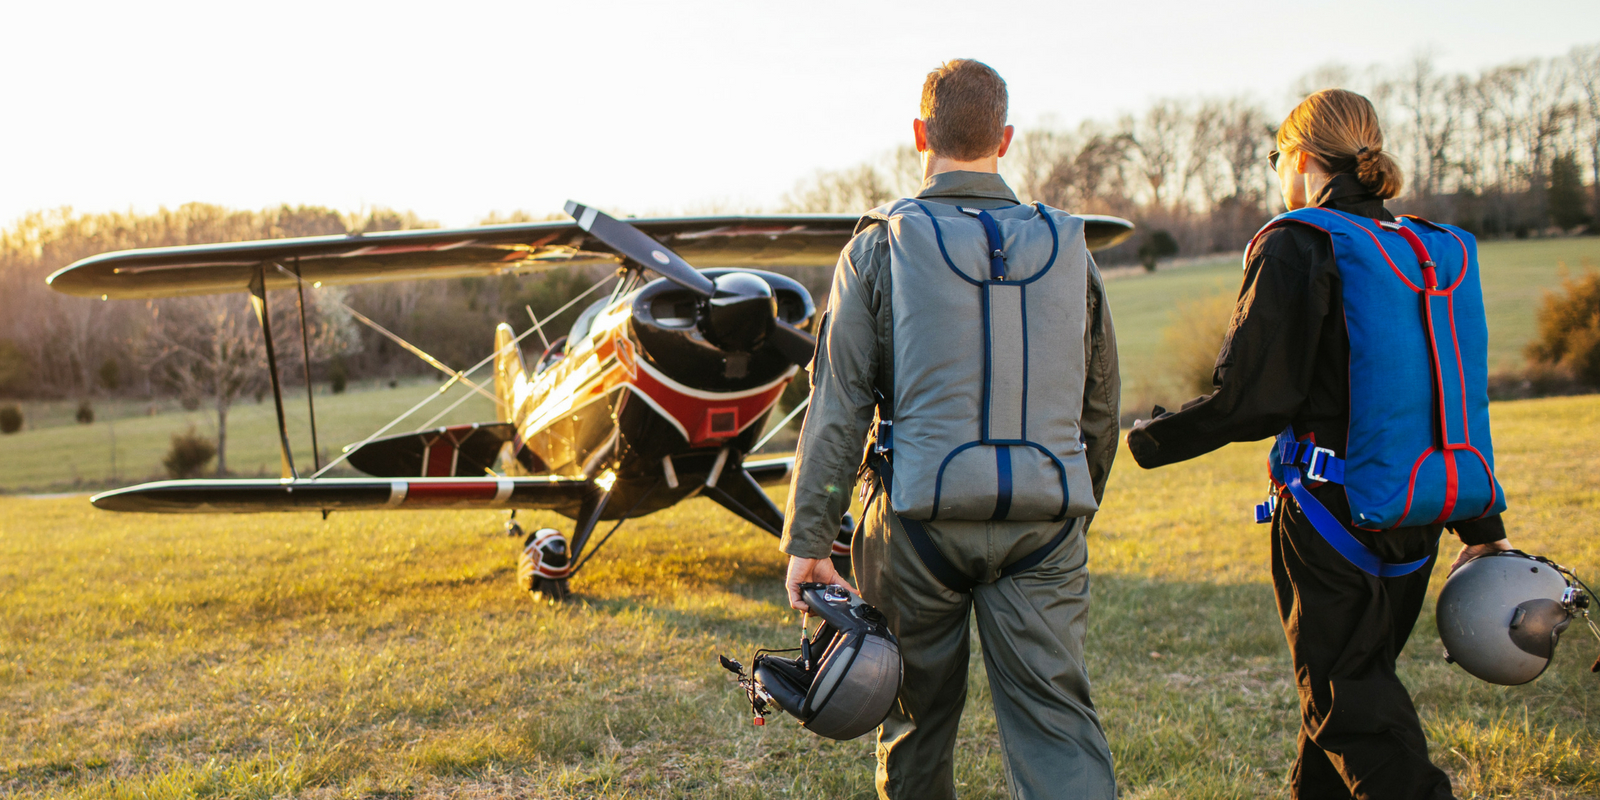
1286, 358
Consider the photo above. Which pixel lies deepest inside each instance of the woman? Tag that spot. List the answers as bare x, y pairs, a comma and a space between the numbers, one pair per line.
1286, 364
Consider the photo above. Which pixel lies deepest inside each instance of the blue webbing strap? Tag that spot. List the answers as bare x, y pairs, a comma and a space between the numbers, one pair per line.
997, 252
1002, 468
945, 572
1293, 455
1032, 559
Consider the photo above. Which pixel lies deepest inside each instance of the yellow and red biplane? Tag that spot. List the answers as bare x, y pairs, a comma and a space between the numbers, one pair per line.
656, 394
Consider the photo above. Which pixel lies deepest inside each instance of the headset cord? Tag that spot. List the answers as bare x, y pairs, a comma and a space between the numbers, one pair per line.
759, 699
1577, 606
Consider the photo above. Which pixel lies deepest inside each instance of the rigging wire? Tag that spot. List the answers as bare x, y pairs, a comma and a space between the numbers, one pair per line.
537, 326
441, 390
781, 423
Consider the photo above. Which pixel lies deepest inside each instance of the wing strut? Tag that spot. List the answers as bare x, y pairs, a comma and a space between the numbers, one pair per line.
258, 301
305, 350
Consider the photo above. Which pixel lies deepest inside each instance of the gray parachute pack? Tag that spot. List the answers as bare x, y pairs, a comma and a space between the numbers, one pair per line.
989, 361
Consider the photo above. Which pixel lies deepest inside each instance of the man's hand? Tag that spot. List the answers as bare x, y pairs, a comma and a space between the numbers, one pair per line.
1471, 551
810, 570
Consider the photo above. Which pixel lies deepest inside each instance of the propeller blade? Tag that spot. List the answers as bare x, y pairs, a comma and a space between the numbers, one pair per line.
636, 245
797, 345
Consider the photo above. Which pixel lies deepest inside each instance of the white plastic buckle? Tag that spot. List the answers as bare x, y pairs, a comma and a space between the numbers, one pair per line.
1314, 465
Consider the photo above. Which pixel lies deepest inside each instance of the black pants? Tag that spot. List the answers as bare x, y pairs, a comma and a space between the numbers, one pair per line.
1359, 733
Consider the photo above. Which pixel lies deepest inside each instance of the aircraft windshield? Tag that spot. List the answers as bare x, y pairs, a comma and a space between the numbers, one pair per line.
580, 329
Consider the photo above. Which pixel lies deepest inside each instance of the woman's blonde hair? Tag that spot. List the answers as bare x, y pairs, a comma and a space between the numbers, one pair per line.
1341, 129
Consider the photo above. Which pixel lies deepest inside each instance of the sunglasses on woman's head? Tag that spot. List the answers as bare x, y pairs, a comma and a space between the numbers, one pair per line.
1272, 160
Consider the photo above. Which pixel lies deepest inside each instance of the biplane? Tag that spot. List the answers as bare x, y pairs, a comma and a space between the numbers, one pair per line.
657, 393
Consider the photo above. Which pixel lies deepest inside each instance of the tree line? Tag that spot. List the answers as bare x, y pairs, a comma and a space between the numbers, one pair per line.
208, 351
1504, 152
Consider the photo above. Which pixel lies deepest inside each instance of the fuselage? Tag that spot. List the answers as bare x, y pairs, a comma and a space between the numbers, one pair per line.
637, 396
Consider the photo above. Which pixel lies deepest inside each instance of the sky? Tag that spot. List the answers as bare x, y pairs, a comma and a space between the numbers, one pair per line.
455, 110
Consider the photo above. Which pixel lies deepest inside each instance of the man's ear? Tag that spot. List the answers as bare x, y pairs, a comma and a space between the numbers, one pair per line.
919, 133
1005, 141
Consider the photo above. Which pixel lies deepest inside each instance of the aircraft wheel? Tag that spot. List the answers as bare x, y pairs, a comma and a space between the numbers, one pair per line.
543, 566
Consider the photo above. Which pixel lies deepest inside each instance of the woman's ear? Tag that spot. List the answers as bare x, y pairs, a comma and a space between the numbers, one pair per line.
1302, 162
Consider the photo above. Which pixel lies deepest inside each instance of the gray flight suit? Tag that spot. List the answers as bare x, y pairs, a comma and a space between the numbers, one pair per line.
1031, 624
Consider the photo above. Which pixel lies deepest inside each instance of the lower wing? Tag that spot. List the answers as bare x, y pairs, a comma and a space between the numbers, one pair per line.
231, 496
770, 471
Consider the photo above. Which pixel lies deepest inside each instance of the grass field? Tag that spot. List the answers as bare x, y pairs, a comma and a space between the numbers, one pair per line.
1515, 275
390, 655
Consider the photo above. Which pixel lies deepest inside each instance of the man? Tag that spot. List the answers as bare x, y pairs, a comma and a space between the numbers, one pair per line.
998, 530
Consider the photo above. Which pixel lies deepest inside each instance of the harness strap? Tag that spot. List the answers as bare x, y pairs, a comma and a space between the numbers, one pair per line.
1322, 520
953, 579
1321, 465
1429, 270
959, 582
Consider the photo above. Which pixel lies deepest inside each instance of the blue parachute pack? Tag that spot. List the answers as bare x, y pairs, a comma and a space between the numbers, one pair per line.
1419, 450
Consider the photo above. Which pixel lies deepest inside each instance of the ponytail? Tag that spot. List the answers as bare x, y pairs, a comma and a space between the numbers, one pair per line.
1378, 172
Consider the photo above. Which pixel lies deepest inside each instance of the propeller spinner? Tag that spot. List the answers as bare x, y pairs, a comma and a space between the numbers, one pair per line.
737, 311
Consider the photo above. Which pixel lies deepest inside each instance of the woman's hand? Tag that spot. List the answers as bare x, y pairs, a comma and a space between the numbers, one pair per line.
811, 570
1471, 551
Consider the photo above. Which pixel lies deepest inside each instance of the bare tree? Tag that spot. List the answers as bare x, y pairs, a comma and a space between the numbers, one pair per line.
1206, 165
1092, 179
1429, 124
1157, 139
852, 190
1585, 65
1033, 158
212, 348
207, 347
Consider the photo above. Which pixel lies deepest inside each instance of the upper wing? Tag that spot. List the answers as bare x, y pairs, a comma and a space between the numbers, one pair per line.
245, 496
706, 242
794, 240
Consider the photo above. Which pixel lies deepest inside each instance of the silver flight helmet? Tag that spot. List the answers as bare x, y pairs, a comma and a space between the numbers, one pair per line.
1501, 615
846, 677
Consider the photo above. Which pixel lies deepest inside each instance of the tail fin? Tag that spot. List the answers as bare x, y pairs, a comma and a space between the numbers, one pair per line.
508, 372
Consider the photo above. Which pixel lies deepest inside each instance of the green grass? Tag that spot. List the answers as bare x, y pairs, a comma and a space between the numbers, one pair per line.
390, 655
1515, 275
55, 452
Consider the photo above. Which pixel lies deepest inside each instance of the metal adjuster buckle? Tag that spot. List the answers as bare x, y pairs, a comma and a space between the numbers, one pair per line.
1264, 511
1315, 465
885, 440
